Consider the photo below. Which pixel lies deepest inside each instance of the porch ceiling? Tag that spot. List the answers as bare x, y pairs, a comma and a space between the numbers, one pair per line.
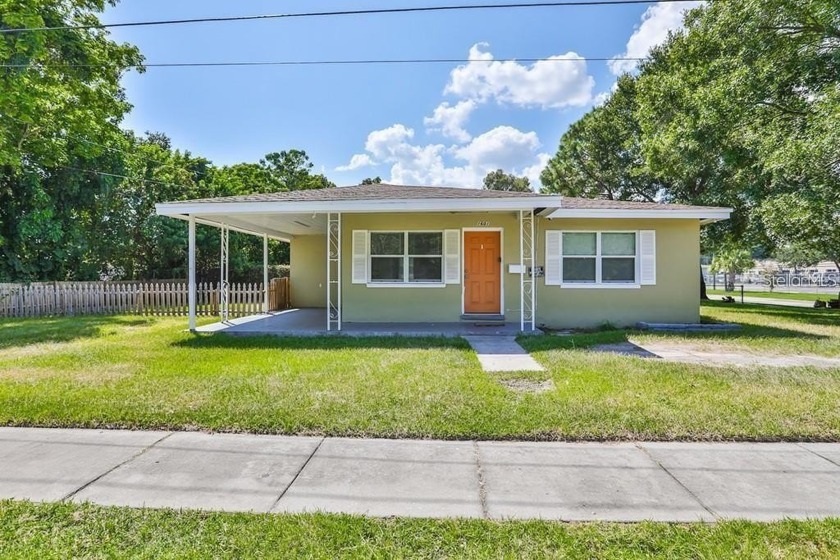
277, 226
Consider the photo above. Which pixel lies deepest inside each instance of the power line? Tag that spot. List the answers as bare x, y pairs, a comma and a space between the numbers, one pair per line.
326, 62
117, 175
145, 159
103, 146
461, 7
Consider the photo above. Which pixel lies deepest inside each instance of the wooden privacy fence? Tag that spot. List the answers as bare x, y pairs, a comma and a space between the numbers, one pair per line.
279, 294
143, 298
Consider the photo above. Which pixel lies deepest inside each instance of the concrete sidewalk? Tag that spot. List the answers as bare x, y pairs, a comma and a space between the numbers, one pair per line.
565, 481
782, 301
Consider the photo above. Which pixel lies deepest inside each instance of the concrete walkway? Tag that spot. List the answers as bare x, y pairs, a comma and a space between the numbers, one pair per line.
502, 353
685, 352
782, 301
565, 481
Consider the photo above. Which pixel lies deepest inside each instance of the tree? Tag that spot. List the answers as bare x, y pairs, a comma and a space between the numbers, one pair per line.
731, 260
372, 181
293, 171
500, 181
742, 107
797, 256
58, 110
600, 155
808, 221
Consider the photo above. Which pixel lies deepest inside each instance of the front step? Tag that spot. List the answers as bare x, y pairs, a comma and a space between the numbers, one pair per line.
481, 319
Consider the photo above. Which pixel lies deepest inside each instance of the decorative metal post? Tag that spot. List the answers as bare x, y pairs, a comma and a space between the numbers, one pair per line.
334, 271
265, 273
191, 280
224, 274
527, 270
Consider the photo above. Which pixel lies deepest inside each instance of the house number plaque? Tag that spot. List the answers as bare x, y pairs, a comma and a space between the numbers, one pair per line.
483, 223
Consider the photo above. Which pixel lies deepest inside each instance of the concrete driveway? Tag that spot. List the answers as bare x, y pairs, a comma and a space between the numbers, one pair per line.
496, 480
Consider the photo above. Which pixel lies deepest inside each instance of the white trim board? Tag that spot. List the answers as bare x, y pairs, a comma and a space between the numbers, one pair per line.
710, 215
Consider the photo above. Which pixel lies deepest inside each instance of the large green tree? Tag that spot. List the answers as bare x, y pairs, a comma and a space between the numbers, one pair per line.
77, 193
600, 155
742, 108
61, 103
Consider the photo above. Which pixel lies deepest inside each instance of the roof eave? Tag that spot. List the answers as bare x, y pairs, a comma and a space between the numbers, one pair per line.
706, 215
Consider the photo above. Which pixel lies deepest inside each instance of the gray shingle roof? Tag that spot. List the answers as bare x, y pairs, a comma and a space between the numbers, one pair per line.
385, 191
381, 191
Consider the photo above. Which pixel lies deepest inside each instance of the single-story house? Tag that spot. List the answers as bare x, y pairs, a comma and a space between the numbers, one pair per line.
387, 253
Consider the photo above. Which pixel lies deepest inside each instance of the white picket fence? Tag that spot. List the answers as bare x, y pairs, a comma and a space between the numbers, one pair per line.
42, 299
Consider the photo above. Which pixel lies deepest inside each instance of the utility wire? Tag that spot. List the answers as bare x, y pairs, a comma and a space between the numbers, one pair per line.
103, 146
116, 175
199, 174
451, 8
326, 62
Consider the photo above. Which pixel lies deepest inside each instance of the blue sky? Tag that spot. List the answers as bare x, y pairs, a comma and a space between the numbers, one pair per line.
445, 124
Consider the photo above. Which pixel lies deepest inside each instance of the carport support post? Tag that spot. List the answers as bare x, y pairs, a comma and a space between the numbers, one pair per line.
526, 270
191, 281
265, 273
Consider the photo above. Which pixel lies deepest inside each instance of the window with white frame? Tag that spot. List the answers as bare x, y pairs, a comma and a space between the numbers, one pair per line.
599, 257
406, 257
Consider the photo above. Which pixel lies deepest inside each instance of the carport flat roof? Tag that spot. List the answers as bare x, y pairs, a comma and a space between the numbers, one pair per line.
282, 215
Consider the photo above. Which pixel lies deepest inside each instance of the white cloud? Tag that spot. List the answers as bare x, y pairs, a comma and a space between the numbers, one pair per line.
357, 161
503, 147
449, 120
382, 143
533, 172
657, 21
601, 98
545, 84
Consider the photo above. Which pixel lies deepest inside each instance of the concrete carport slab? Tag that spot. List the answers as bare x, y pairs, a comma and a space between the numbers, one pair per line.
227, 472
582, 482
387, 477
759, 481
49, 465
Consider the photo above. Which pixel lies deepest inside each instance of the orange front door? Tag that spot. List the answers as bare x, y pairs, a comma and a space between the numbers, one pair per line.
482, 272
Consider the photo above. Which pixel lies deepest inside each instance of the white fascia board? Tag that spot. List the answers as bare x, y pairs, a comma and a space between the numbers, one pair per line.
272, 234
710, 215
358, 206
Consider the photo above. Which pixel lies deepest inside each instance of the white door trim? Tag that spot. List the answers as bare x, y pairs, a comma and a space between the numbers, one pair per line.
501, 265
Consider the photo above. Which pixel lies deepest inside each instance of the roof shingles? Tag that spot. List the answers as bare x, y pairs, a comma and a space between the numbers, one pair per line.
384, 191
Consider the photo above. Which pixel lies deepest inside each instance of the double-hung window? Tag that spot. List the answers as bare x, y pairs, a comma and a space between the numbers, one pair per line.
406, 257
599, 258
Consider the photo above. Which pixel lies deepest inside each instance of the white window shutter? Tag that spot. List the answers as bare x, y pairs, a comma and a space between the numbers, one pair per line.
553, 259
452, 256
360, 256
647, 257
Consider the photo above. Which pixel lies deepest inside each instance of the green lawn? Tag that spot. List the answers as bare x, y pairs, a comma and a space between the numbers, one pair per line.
59, 531
825, 295
148, 373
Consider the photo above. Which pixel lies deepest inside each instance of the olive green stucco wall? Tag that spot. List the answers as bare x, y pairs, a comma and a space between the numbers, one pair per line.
362, 303
308, 271
674, 298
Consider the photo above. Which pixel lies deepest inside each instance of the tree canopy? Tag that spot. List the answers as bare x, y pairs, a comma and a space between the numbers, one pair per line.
741, 110
500, 181
77, 192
